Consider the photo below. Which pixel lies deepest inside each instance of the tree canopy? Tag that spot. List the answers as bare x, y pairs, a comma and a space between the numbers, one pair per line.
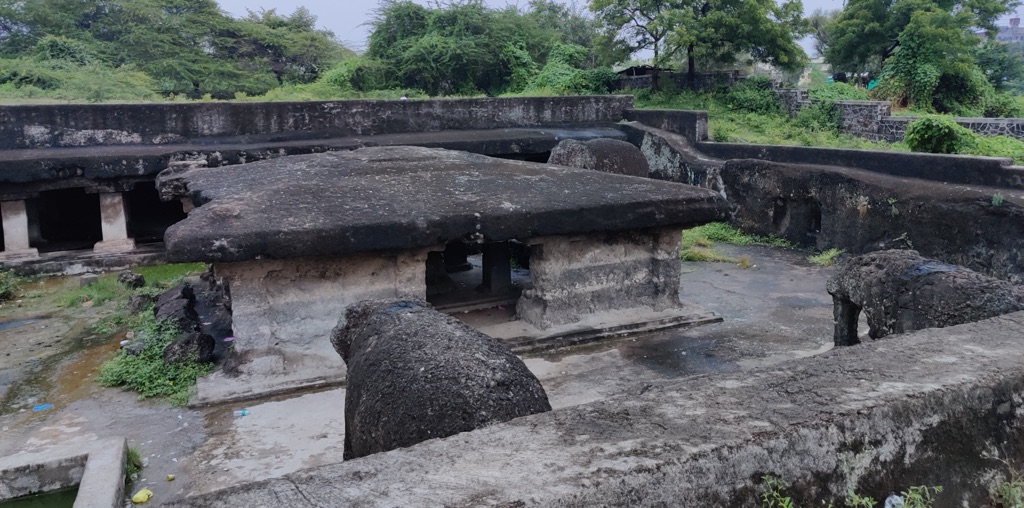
185, 47
464, 47
925, 51
708, 30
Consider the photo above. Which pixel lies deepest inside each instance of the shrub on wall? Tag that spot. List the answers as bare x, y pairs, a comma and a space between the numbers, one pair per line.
821, 116
838, 92
753, 95
939, 134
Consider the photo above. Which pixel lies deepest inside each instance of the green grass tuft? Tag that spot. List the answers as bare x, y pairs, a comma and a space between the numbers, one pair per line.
133, 465
10, 284
825, 258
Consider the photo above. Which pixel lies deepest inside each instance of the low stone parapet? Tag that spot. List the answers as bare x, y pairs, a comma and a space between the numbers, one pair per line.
921, 409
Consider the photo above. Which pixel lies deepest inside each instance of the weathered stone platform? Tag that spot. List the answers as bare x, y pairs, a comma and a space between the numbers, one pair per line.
301, 238
919, 409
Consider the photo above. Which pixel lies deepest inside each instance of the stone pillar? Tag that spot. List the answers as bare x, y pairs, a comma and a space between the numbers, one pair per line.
113, 220
576, 275
497, 267
16, 231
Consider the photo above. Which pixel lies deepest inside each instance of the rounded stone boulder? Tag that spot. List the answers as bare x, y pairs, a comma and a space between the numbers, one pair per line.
416, 374
602, 154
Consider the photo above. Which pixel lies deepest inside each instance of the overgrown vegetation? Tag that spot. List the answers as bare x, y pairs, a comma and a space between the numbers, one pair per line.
10, 284
941, 134
774, 495
146, 372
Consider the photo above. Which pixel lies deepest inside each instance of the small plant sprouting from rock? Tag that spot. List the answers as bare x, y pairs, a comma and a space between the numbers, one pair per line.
892, 207
1009, 491
132, 465
825, 258
997, 199
774, 495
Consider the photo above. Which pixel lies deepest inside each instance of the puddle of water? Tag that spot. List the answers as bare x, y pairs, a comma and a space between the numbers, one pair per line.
17, 323
48, 382
59, 499
677, 356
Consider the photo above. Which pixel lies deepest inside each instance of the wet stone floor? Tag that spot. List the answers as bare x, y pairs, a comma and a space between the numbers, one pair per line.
773, 311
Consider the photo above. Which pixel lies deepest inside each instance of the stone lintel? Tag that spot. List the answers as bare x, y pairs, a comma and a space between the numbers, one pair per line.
283, 312
577, 276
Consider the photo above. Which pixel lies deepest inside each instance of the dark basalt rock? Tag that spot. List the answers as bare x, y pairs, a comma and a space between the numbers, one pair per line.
603, 154
192, 346
400, 198
177, 305
131, 279
901, 291
445, 377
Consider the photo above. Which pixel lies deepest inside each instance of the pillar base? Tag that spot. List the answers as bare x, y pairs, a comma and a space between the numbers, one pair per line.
114, 246
18, 255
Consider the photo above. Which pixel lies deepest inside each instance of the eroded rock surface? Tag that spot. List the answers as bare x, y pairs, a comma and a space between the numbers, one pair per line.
900, 291
602, 154
416, 374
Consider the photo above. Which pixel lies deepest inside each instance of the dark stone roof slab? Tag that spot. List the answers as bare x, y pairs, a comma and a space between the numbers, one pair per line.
399, 198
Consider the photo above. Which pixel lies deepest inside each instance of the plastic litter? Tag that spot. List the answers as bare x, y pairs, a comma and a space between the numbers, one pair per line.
893, 501
42, 407
170, 478
241, 412
142, 497
229, 339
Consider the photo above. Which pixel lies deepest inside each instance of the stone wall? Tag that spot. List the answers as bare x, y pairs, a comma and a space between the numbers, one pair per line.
873, 119
78, 125
964, 169
703, 81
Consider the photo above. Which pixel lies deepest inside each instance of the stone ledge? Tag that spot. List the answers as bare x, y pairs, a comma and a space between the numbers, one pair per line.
909, 410
98, 471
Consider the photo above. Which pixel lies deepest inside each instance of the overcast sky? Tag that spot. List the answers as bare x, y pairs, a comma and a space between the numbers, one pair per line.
347, 18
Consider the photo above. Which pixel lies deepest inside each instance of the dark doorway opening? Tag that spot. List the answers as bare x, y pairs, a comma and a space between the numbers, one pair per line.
69, 219
148, 216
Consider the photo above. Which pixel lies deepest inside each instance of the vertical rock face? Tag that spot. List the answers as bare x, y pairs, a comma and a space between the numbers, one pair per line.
900, 291
416, 374
607, 155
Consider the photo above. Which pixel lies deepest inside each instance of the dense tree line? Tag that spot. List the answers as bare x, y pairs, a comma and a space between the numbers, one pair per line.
927, 54
131, 48
466, 48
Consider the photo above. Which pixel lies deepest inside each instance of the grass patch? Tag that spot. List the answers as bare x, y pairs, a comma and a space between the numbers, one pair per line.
146, 371
826, 258
697, 243
10, 284
107, 288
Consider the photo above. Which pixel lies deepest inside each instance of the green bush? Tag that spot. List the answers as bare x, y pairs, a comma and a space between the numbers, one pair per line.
821, 116
1003, 105
1000, 146
838, 92
939, 134
753, 95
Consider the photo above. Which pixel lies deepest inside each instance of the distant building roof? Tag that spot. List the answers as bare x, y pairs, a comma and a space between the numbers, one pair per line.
641, 70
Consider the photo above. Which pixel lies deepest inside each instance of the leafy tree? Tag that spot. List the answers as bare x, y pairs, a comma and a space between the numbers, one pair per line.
465, 47
866, 32
820, 22
711, 30
1003, 63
